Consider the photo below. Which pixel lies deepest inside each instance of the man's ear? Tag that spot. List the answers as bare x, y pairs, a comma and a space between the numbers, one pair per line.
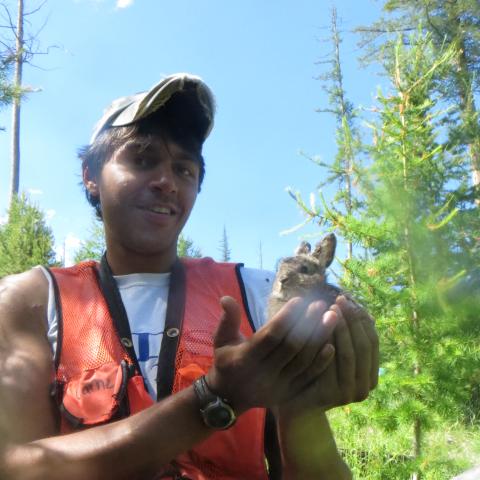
90, 182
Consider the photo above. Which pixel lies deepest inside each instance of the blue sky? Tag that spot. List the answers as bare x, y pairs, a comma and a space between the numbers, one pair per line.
258, 56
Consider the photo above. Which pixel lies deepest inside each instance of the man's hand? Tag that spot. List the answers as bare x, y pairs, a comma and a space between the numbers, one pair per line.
348, 378
278, 362
354, 371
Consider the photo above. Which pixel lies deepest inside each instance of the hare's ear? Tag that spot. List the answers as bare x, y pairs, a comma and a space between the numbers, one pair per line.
303, 249
325, 250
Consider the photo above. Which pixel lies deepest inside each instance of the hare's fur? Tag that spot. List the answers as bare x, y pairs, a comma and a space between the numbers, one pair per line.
303, 275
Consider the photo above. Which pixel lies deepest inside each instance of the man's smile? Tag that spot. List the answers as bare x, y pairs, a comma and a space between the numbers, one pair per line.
160, 209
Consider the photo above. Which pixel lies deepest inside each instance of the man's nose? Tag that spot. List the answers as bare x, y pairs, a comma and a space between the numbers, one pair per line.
163, 178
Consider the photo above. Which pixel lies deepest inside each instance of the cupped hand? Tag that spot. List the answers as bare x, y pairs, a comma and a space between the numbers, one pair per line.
279, 361
354, 371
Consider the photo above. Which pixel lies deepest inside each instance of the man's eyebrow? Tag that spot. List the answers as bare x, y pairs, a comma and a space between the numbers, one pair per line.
188, 157
136, 145
144, 146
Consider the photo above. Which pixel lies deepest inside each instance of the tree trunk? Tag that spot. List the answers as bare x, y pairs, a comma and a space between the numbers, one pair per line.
463, 77
417, 425
15, 159
469, 115
474, 151
345, 124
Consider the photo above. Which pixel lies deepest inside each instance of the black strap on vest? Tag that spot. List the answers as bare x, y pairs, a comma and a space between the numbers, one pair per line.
271, 445
172, 331
110, 291
173, 322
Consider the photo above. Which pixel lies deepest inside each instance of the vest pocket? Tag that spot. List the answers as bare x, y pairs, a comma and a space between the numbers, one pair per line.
95, 396
192, 367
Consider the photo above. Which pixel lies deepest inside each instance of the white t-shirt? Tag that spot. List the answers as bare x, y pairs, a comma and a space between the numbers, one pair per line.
145, 295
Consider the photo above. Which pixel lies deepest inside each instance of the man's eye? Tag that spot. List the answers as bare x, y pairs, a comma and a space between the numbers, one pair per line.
142, 162
185, 171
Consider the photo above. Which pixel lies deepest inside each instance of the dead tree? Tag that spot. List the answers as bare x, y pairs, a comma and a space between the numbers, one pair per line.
19, 47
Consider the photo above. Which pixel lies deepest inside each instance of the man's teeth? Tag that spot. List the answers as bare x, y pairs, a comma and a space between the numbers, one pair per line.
164, 210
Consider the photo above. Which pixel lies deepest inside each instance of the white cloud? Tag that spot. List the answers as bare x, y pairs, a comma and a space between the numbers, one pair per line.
3, 220
119, 4
35, 191
124, 3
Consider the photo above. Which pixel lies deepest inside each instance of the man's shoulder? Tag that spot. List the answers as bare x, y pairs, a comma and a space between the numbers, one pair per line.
29, 285
23, 297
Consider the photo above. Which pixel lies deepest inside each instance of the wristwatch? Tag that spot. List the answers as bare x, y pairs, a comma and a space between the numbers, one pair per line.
216, 412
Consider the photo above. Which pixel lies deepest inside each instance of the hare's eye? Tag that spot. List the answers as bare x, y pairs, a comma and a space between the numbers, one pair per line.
303, 269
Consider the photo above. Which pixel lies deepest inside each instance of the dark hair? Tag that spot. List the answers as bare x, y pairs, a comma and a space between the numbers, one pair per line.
182, 120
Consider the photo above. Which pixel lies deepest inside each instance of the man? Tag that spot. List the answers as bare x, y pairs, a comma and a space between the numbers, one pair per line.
162, 368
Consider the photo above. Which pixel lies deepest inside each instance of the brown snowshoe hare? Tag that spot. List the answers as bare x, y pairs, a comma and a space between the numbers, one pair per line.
303, 275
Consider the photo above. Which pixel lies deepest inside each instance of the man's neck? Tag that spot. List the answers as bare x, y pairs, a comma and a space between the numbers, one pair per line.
126, 263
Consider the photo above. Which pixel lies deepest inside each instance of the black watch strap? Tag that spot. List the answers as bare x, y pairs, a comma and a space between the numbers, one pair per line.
204, 394
217, 413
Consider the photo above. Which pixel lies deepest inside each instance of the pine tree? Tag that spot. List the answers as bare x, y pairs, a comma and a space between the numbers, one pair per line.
344, 169
94, 246
224, 247
7, 91
25, 240
186, 248
413, 224
408, 229
449, 23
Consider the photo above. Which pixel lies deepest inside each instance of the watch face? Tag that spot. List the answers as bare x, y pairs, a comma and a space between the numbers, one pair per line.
219, 415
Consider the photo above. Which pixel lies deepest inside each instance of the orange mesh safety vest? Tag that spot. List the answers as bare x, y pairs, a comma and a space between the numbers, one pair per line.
98, 381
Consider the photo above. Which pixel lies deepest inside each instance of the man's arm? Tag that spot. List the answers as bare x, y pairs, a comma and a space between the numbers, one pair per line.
265, 370
30, 446
308, 447
308, 453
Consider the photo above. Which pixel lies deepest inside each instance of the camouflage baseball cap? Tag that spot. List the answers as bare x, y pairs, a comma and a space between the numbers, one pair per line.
128, 110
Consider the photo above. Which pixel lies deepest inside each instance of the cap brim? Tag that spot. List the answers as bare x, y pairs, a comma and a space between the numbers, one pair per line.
128, 110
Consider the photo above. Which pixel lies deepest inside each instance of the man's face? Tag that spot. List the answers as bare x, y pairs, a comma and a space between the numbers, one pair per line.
146, 195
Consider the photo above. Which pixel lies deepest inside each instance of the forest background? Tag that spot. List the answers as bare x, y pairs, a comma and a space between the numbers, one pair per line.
397, 181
